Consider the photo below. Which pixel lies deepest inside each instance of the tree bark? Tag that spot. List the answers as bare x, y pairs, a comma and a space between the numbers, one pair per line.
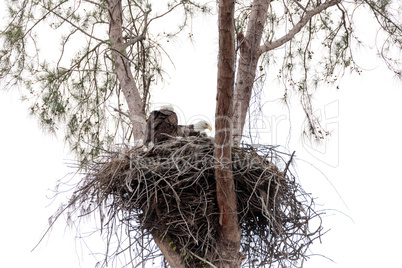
172, 257
123, 71
247, 66
229, 240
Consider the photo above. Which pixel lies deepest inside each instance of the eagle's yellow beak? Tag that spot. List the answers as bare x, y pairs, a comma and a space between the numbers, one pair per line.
209, 127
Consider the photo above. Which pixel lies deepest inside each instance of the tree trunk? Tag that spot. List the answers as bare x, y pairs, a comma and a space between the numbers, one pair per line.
123, 71
172, 257
135, 104
249, 55
229, 240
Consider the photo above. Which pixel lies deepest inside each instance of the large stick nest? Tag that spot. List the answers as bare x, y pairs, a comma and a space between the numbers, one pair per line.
170, 191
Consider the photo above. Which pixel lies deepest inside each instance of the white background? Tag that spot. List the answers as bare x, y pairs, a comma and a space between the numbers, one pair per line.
361, 187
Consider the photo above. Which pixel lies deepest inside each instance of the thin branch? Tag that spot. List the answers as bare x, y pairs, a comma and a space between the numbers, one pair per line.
167, 12
74, 25
376, 11
134, 40
119, 111
297, 28
301, 6
142, 36
97, 4
202, 259
44, 16
288, 163
146, 92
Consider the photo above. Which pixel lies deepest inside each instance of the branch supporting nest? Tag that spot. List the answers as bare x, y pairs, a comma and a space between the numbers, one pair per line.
170, 191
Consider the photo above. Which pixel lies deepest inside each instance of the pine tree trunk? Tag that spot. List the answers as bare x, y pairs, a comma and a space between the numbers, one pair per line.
229, 241
247, 66
172, 257
123, 71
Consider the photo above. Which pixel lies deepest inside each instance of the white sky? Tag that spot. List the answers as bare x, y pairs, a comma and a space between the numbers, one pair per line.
360, 161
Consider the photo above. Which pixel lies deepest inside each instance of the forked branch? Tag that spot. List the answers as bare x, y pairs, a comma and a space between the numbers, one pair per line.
297, 28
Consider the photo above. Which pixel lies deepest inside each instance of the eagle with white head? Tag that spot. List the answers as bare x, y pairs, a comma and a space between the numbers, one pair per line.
162, 125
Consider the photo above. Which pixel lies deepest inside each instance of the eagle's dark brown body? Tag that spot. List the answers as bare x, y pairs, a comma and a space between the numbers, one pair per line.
160, 125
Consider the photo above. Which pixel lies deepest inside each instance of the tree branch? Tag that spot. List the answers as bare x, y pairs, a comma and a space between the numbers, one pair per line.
385, 18
119, 111
96, 4
304, 20
72, 24
142, 36
146, 93
45, 15
300, 5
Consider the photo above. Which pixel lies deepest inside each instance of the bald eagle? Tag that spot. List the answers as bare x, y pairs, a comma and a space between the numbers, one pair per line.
196, 129
162, 125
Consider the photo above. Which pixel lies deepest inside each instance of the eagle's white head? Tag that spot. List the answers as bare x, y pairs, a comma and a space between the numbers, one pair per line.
167, 107
202, 125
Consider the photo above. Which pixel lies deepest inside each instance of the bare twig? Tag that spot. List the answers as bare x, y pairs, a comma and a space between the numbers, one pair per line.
120, 111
